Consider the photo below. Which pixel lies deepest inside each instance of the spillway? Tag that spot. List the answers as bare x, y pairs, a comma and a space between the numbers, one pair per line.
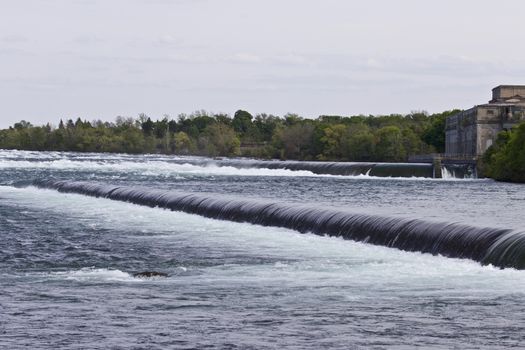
497, 246
376, 169
328, 168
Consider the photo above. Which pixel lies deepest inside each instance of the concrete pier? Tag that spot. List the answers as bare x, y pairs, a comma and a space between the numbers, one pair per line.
436, 165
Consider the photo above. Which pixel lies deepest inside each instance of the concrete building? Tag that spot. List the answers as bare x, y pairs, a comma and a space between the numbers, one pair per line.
471, 132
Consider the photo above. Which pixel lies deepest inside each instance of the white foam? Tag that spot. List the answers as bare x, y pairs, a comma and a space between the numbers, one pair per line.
303, 258
153, 168
156, 165
169, 169
91, 274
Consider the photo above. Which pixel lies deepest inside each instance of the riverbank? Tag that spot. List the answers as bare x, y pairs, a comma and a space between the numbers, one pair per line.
389, 138
505, 160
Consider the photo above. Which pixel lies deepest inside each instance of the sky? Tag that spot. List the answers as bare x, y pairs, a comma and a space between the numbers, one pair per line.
99, 59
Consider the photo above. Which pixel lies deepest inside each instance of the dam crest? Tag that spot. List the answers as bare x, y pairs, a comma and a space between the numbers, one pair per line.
495, 246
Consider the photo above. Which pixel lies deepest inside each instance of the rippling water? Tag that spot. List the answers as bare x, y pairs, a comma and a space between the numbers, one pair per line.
67, 263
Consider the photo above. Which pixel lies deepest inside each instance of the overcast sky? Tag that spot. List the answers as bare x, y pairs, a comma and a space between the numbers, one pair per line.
103, 58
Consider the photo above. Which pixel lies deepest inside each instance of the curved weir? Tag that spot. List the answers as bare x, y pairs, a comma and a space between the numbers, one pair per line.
496, 246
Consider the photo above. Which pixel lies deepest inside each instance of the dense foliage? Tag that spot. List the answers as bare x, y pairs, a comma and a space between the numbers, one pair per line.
505, 159
357, 138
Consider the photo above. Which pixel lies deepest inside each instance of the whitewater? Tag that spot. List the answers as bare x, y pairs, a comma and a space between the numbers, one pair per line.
68, 259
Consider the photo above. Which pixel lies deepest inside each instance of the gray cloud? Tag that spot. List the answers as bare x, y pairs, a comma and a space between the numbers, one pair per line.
101, 58
14, 39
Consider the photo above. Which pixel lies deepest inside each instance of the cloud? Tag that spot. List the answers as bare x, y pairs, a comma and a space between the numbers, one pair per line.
244, 57
14, 39
374, 63
87, 40
15, 52
167, 39
291, 59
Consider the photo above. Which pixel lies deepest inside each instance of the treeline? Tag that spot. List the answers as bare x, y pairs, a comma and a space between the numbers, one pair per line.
357, 138
505, 159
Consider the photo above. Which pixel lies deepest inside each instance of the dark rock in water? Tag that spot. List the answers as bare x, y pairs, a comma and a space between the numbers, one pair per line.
145, 274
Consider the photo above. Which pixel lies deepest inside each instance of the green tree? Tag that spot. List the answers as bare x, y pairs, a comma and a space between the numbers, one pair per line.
221, 140
265, 125
294, 142
147, 126
357, 138
505, 160
434, 134
242, 121
183, 143
334, 141
360, 145
389, 145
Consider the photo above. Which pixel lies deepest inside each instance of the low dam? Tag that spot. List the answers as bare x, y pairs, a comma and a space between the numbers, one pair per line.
496, 246
425, 168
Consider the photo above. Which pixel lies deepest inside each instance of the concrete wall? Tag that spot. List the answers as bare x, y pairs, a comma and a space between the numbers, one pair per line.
461, 133
471, 132
451, 135
489, 124
487, 134
507, 91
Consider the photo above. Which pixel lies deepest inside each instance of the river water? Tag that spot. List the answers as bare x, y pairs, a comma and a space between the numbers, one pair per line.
67, 262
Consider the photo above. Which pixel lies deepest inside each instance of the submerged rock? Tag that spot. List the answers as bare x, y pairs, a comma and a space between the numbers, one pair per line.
147, 274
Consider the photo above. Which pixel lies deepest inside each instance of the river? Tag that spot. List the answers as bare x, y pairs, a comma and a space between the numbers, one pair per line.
67, 260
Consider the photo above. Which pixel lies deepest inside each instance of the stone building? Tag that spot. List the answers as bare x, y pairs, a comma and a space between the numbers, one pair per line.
471, 132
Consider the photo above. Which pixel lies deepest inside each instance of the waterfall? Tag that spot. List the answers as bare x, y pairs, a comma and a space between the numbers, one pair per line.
458, 171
